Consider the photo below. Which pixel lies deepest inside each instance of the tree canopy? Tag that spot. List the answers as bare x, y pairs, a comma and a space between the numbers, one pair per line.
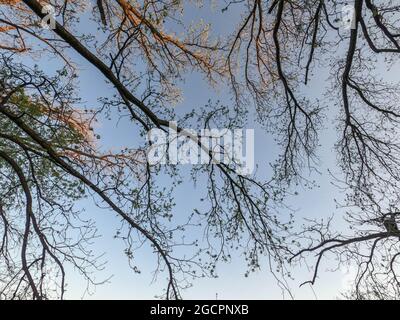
50, 155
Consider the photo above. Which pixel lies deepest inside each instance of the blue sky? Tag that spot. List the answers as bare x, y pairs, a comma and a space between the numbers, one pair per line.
231, 284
